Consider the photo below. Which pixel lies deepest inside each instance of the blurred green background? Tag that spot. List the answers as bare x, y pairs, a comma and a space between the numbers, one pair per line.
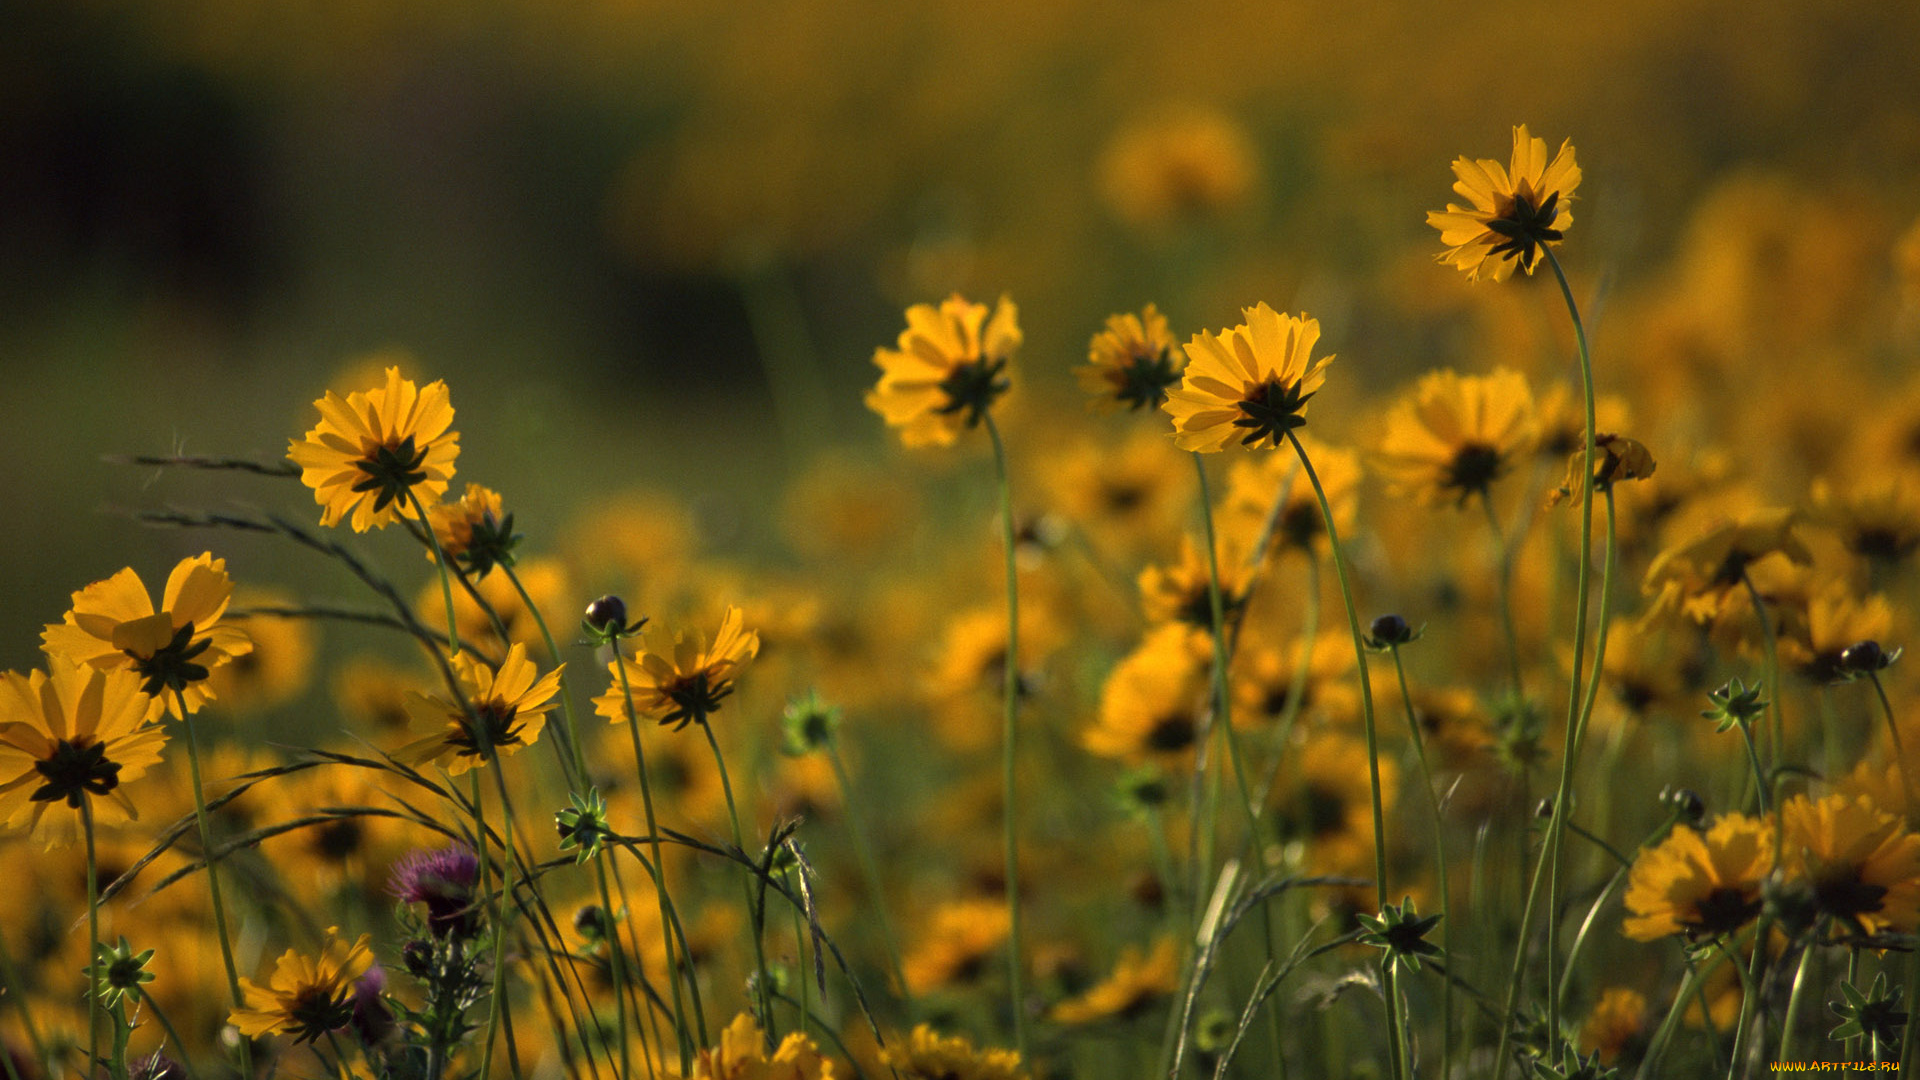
654, 244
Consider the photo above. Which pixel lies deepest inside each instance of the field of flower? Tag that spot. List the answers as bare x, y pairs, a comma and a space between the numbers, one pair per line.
796, 540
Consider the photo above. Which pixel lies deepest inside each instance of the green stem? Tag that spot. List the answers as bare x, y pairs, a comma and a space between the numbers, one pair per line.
93, 940
1748, 981
1649, 1065
1440, 860
494, 1004
1570, 745
1794, 1000
1009, 727
618, 956
1853, 979
439, 561
1505, 580
763, 1001
1257, 836
684, 1036
213, 875
570, 732
1769, 639
863, 849
166, 1025
1893, 732
1366, 707
1759, 774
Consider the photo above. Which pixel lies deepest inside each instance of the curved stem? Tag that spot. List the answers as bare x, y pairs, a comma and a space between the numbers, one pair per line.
1009, 732
1794, 1000
1770, 640
439, 561
213, 875
1440, 860
1366, 712
1649, 1065
569, 730
762, 1001
684, 1036
93, 940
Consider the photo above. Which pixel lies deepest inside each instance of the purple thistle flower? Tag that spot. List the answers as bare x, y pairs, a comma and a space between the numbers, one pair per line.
444, 880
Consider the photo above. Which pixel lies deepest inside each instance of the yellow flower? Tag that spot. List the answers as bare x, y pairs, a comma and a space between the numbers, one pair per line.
1250, 382
1700, 886
306, 998
1253, 484
376, 452
1329, 806
113, 625
1457, 434
688, 688
509, 708
1617, 1023
1151, 704
1177, 168
68, 733
948, 369
964, 937
1700, 578
1130, 363
473, 532
742, 1055
1516, 211
1137, 981
1863, 864
927, 1056
1183, 592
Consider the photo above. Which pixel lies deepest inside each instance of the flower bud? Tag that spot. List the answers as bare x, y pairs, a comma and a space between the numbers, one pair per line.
1390, 630
607, 613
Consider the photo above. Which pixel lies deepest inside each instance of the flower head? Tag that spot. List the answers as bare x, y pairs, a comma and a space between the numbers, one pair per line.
686, 687
1457, 434
1515, 211
119, 972
377, 451
508, 710
1701, 577
473, 532
446, 881
1401, 932
948, 370
1251, 382
1138, 980
928, 1056
307, 997
963, 938
1700, 885
113, 625
1862, 862
1131, 363
72, 735
741, 1054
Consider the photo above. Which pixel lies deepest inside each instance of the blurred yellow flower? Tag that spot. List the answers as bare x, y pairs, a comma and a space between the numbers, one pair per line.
1617, 1023
1700, 885
1515, 211
1137, 981
1151, 705
1166, 171
68, 733
473, 532
962, 938
112, 624
377, 451
928, 1056
950, 366
741, 1054
1131, 363
1861, 861
306, 997
1699, 578
1457, 434
505, 710
687, 688
1251, 382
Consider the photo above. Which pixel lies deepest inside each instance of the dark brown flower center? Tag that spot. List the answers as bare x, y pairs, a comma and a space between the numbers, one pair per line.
1722, 911
173, 666
1270, 410
1475, 466
694, 697
75, 770
1170, 734
1526, 225
391, 470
